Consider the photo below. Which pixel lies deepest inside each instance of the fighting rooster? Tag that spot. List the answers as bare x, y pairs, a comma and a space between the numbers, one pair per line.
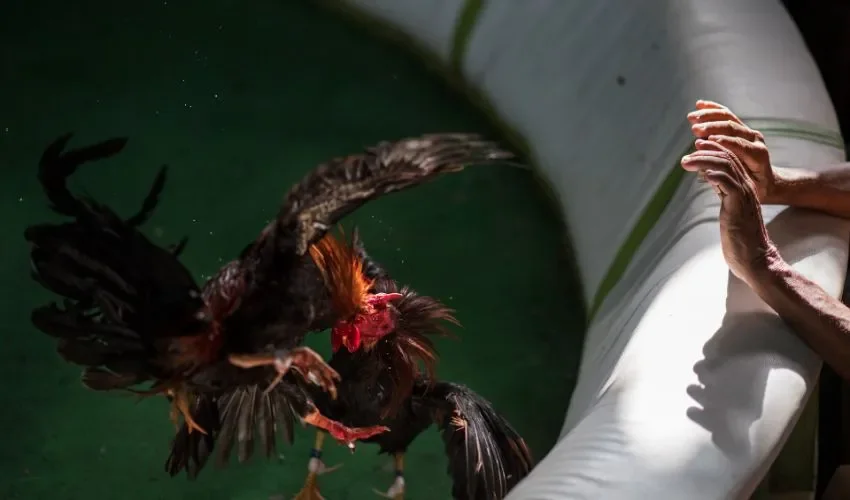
388, 379
133, 314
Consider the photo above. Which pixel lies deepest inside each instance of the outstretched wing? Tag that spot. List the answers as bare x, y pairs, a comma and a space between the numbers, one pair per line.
340, 186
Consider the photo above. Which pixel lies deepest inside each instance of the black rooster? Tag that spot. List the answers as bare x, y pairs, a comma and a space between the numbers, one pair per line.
133, 315
383, 384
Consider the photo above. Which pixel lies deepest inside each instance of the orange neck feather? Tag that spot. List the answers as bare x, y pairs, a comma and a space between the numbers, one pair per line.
342, 271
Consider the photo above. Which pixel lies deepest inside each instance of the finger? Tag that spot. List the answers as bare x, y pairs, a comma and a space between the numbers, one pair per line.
716, 159
728, 128
723, 182
707, 104
713, 115
751, 154
706, 160
737, 169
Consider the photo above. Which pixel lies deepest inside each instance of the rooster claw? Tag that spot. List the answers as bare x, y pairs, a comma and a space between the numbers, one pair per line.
307, 362
349, 435
395, 492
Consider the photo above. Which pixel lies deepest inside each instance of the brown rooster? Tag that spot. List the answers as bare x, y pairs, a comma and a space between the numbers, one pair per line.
132, 313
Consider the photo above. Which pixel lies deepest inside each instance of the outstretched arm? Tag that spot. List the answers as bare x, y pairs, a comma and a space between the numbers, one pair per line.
826, 191
820, 320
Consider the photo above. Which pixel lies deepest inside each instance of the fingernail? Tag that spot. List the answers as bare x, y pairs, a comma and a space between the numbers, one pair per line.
686, 159
714, 138
699, 142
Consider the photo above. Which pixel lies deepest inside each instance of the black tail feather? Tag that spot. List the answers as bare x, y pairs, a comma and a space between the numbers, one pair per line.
487, 457
151, 201
105, 264
237, 421
57, 165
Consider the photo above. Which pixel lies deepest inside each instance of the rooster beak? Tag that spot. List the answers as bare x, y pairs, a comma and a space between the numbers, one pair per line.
380, 299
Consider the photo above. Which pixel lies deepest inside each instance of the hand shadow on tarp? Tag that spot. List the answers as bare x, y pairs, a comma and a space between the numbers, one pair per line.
732, 377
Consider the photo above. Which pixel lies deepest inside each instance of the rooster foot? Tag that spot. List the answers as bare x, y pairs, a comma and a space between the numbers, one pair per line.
303, 360
396, 491
316, 468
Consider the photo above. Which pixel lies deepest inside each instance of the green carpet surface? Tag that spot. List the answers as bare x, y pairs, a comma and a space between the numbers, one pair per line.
241, 99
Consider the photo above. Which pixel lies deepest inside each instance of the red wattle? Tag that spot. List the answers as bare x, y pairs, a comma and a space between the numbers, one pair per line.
353, 339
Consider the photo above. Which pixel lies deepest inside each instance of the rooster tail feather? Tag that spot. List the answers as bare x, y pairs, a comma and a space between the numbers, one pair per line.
57, 165
487, 457
103, 264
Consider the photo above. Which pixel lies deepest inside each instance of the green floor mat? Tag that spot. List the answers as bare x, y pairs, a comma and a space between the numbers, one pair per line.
241, 98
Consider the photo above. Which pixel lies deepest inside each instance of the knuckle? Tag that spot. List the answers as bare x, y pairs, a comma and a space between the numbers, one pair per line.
759, 147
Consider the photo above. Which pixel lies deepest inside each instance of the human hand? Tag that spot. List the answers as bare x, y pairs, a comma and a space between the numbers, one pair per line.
747, 247
718, 124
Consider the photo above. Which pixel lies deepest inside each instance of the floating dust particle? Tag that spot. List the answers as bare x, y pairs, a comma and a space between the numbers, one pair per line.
158, 231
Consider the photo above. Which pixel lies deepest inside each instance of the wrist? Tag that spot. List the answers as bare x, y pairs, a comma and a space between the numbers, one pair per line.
767, 269
781, 189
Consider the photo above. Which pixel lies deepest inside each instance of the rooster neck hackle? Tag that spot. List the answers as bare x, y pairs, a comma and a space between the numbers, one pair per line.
342, 271
409, 352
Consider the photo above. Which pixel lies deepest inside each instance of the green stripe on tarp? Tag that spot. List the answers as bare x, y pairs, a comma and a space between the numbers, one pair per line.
771, 127
644, 225
463, 30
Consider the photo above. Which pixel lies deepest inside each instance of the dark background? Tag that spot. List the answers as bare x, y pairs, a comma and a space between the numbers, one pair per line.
825, 25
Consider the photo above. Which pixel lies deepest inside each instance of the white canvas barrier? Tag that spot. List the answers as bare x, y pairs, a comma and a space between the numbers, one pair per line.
689, 384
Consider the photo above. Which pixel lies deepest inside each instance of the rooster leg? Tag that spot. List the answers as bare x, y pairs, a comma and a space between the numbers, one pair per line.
396, 491
344, 435
180, 406
315, 468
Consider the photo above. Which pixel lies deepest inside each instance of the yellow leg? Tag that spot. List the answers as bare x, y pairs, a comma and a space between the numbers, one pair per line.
315, 468
396, 491
180, 407
181, 403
